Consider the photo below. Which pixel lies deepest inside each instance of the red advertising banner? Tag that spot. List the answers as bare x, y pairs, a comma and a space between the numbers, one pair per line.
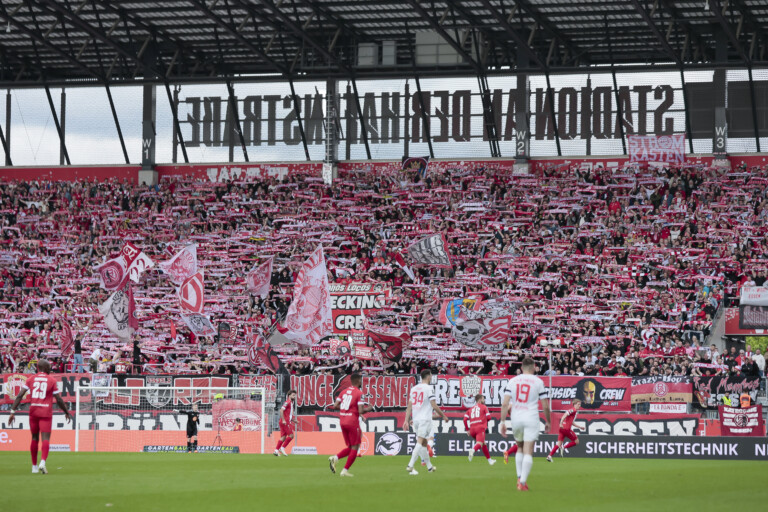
596, 393
381, 391
735, 421
351, 302
11, 383
652, 148
662, 389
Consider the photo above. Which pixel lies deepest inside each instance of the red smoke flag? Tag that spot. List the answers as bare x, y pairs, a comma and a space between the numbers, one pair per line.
191, 294
258, 279
310, 317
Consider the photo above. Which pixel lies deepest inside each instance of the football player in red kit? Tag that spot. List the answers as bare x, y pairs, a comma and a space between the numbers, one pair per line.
476, 423
287, 423
566, 430
350, 405
43, 393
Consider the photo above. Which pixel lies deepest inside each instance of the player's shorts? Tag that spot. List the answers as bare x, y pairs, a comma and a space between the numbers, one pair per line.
525, 429
191, 432
478, 434
39, 424
423, 428
286, 429
352, 435
566, 432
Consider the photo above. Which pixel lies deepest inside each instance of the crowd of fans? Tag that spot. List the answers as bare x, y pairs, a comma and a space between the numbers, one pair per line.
626, 267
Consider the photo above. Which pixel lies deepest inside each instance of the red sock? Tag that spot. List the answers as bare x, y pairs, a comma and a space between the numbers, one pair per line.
46, 446
287, 442
554, 450
476, 447
33, 451
429, 450
351, 459
343, 453
512, 449
486, 452
279, 444
570, 445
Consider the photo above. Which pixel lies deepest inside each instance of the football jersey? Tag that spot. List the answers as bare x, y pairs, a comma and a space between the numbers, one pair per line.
477, 416
524, 392
568, 418
41, 387
286, 413
348, 402
420, 398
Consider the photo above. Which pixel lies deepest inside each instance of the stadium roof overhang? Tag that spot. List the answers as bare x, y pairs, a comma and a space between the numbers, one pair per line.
79, 42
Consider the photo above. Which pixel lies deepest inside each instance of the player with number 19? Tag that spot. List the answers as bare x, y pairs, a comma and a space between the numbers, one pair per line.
351, 405
521, 398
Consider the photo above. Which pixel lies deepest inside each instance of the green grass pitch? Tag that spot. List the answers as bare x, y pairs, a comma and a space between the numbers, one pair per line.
139, 482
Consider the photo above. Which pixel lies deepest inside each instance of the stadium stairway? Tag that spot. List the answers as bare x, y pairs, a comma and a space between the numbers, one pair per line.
718, 330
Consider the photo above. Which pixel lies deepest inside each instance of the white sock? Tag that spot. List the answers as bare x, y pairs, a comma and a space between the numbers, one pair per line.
415, 455
519, 462
425, 456
527, 465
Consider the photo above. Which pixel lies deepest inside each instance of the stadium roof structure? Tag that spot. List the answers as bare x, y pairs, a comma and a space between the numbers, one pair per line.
77, 42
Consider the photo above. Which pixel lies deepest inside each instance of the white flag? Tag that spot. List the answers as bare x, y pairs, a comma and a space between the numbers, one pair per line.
200, 325
309, 316
182, 266
257, 281
117, 313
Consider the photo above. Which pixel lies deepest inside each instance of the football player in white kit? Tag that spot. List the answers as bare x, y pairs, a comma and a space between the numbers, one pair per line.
421, 403
522, 398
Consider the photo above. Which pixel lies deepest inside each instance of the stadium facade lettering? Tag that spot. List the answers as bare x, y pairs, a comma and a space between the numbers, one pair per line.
390, 117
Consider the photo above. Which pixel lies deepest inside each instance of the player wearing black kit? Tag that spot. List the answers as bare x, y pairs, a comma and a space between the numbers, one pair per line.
193, 420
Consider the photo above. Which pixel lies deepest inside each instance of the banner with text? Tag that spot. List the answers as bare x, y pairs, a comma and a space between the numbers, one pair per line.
352, 302
661, 148
381, 391
735, 421
710, 390
662, 389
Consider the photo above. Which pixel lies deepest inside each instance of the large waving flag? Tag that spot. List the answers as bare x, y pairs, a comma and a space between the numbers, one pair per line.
309, 316
130, 264
182, 266
258, 279
430, 251
119, 314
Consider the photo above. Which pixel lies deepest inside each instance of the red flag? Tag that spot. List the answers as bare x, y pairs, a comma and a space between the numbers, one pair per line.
191, 294
173, 331
133, 322
260, 352
67, 338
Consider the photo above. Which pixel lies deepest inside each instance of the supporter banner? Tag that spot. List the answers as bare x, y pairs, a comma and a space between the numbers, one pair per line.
593, 424
10, 385
596, 393
710, 391
351, 303
733, 327
662, 389
668, 408
753, 317
735, 421
182, 266
615, 447
753, 296
661, 148
382, 391
227, 412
